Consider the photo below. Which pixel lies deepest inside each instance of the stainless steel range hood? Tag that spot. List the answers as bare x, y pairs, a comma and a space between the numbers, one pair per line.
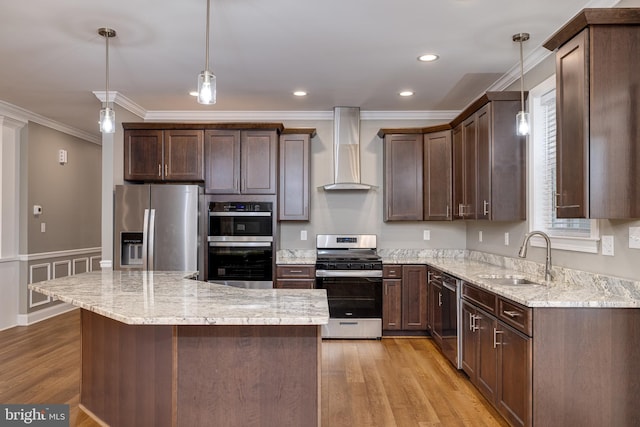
346, 150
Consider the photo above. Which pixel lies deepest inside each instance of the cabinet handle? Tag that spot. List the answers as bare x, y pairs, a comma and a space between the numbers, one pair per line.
559, 206
166, 170
511, 313
495, 337
159, 169
448, 211
460, 209
472, 322
429, 274
295, 271
485, 208
440, 299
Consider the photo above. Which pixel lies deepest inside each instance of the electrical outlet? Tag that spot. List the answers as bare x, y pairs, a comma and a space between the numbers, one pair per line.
479, 236
303, 234
634, 237
43, 227
426, 235
607, 245
506, 239
62, 156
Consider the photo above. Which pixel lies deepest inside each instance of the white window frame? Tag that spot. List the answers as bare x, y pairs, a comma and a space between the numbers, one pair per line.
558, 240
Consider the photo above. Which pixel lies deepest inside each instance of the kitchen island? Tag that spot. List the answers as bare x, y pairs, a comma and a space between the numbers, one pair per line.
160, 349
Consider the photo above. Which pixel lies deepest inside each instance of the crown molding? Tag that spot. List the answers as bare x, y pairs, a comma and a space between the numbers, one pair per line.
20, 114
409, 115
121, 100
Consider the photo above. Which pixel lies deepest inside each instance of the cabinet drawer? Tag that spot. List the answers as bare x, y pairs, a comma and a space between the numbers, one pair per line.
295, 271
295, 284
484, 299
516, 315
392, 271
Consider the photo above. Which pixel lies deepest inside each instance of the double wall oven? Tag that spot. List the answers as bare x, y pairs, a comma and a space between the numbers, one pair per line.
349, 268
240, 240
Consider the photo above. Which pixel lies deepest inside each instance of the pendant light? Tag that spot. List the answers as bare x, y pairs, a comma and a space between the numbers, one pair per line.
107, 115
206, 79
522, 118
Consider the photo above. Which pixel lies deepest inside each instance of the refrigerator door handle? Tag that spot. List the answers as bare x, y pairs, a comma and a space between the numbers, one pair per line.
152, 235
145, 239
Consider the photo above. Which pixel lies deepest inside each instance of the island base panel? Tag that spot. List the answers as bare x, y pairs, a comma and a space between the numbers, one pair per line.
250, 375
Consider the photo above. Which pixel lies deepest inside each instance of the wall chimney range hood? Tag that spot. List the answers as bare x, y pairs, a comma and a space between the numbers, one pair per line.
346, 151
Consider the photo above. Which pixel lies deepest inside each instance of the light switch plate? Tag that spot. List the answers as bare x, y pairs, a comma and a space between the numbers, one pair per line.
607, 245
426, 235
506, 239
479, 236
634, 237
303, 234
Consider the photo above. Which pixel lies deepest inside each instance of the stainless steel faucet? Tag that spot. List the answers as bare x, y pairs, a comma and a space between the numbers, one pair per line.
548, 275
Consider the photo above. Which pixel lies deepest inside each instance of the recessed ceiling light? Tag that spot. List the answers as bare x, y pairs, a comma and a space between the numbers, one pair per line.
406, 93
428, 57
300, 93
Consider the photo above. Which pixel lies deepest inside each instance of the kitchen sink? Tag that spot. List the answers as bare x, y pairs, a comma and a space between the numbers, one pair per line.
508, 279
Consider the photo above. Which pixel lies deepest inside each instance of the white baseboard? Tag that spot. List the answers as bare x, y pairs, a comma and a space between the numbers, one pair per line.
46, 313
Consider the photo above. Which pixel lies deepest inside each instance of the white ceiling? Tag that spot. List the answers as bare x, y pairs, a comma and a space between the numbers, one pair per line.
342, 52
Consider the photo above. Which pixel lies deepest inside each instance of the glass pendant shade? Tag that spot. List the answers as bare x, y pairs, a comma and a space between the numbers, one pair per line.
206, 88
107, 120
522, 123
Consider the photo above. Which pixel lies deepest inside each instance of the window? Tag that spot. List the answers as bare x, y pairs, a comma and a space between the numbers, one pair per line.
570, 234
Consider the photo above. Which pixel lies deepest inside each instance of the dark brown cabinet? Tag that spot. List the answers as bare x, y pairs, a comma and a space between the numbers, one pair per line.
597, 87
496, 356
434, 299
294, 174
403, 178
489, 161
404, 301
295, 276
240, 161
437, 166
163, 155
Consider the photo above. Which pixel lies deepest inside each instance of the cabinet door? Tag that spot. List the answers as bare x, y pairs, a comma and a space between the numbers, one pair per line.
293, 194
222, 168
487, 368
572, 139
437, 176
414, 297
458, 172
259, 162
143, 157
392, 304
295, 283
484, 164
403, 177
469, 144
469, 349
183, 155
514, 398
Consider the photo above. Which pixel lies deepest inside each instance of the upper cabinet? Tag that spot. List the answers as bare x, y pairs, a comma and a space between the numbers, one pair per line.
403, 187
163, 155
489, 160
472, 168
294, 174
598, 120
437, 175
240, 161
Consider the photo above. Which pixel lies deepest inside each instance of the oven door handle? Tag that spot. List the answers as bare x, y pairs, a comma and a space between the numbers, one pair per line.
349, 273
226, 239
240, 244
262, 213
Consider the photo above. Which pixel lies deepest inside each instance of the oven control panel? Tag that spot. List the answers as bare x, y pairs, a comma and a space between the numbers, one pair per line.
240, 207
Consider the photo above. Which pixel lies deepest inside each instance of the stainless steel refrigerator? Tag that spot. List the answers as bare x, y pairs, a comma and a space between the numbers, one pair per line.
156, 227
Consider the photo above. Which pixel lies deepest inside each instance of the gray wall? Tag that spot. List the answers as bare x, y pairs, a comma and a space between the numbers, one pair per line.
361, 212
69, 194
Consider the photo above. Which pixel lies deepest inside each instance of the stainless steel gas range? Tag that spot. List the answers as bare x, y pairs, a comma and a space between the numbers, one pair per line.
349, 268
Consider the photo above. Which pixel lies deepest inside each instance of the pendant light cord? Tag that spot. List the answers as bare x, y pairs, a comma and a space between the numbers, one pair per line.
521, 77
107, 74
206, 55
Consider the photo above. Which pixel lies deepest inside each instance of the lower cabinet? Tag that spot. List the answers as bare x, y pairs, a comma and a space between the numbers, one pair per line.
404, 299
497, 357
295, 277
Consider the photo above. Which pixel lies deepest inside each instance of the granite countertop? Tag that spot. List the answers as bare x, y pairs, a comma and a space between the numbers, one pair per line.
172, 298
570, 288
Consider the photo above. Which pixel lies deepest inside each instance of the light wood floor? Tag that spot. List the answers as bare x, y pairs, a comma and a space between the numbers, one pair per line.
402, 382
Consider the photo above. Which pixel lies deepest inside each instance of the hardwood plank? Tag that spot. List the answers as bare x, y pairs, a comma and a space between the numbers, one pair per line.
395, 382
